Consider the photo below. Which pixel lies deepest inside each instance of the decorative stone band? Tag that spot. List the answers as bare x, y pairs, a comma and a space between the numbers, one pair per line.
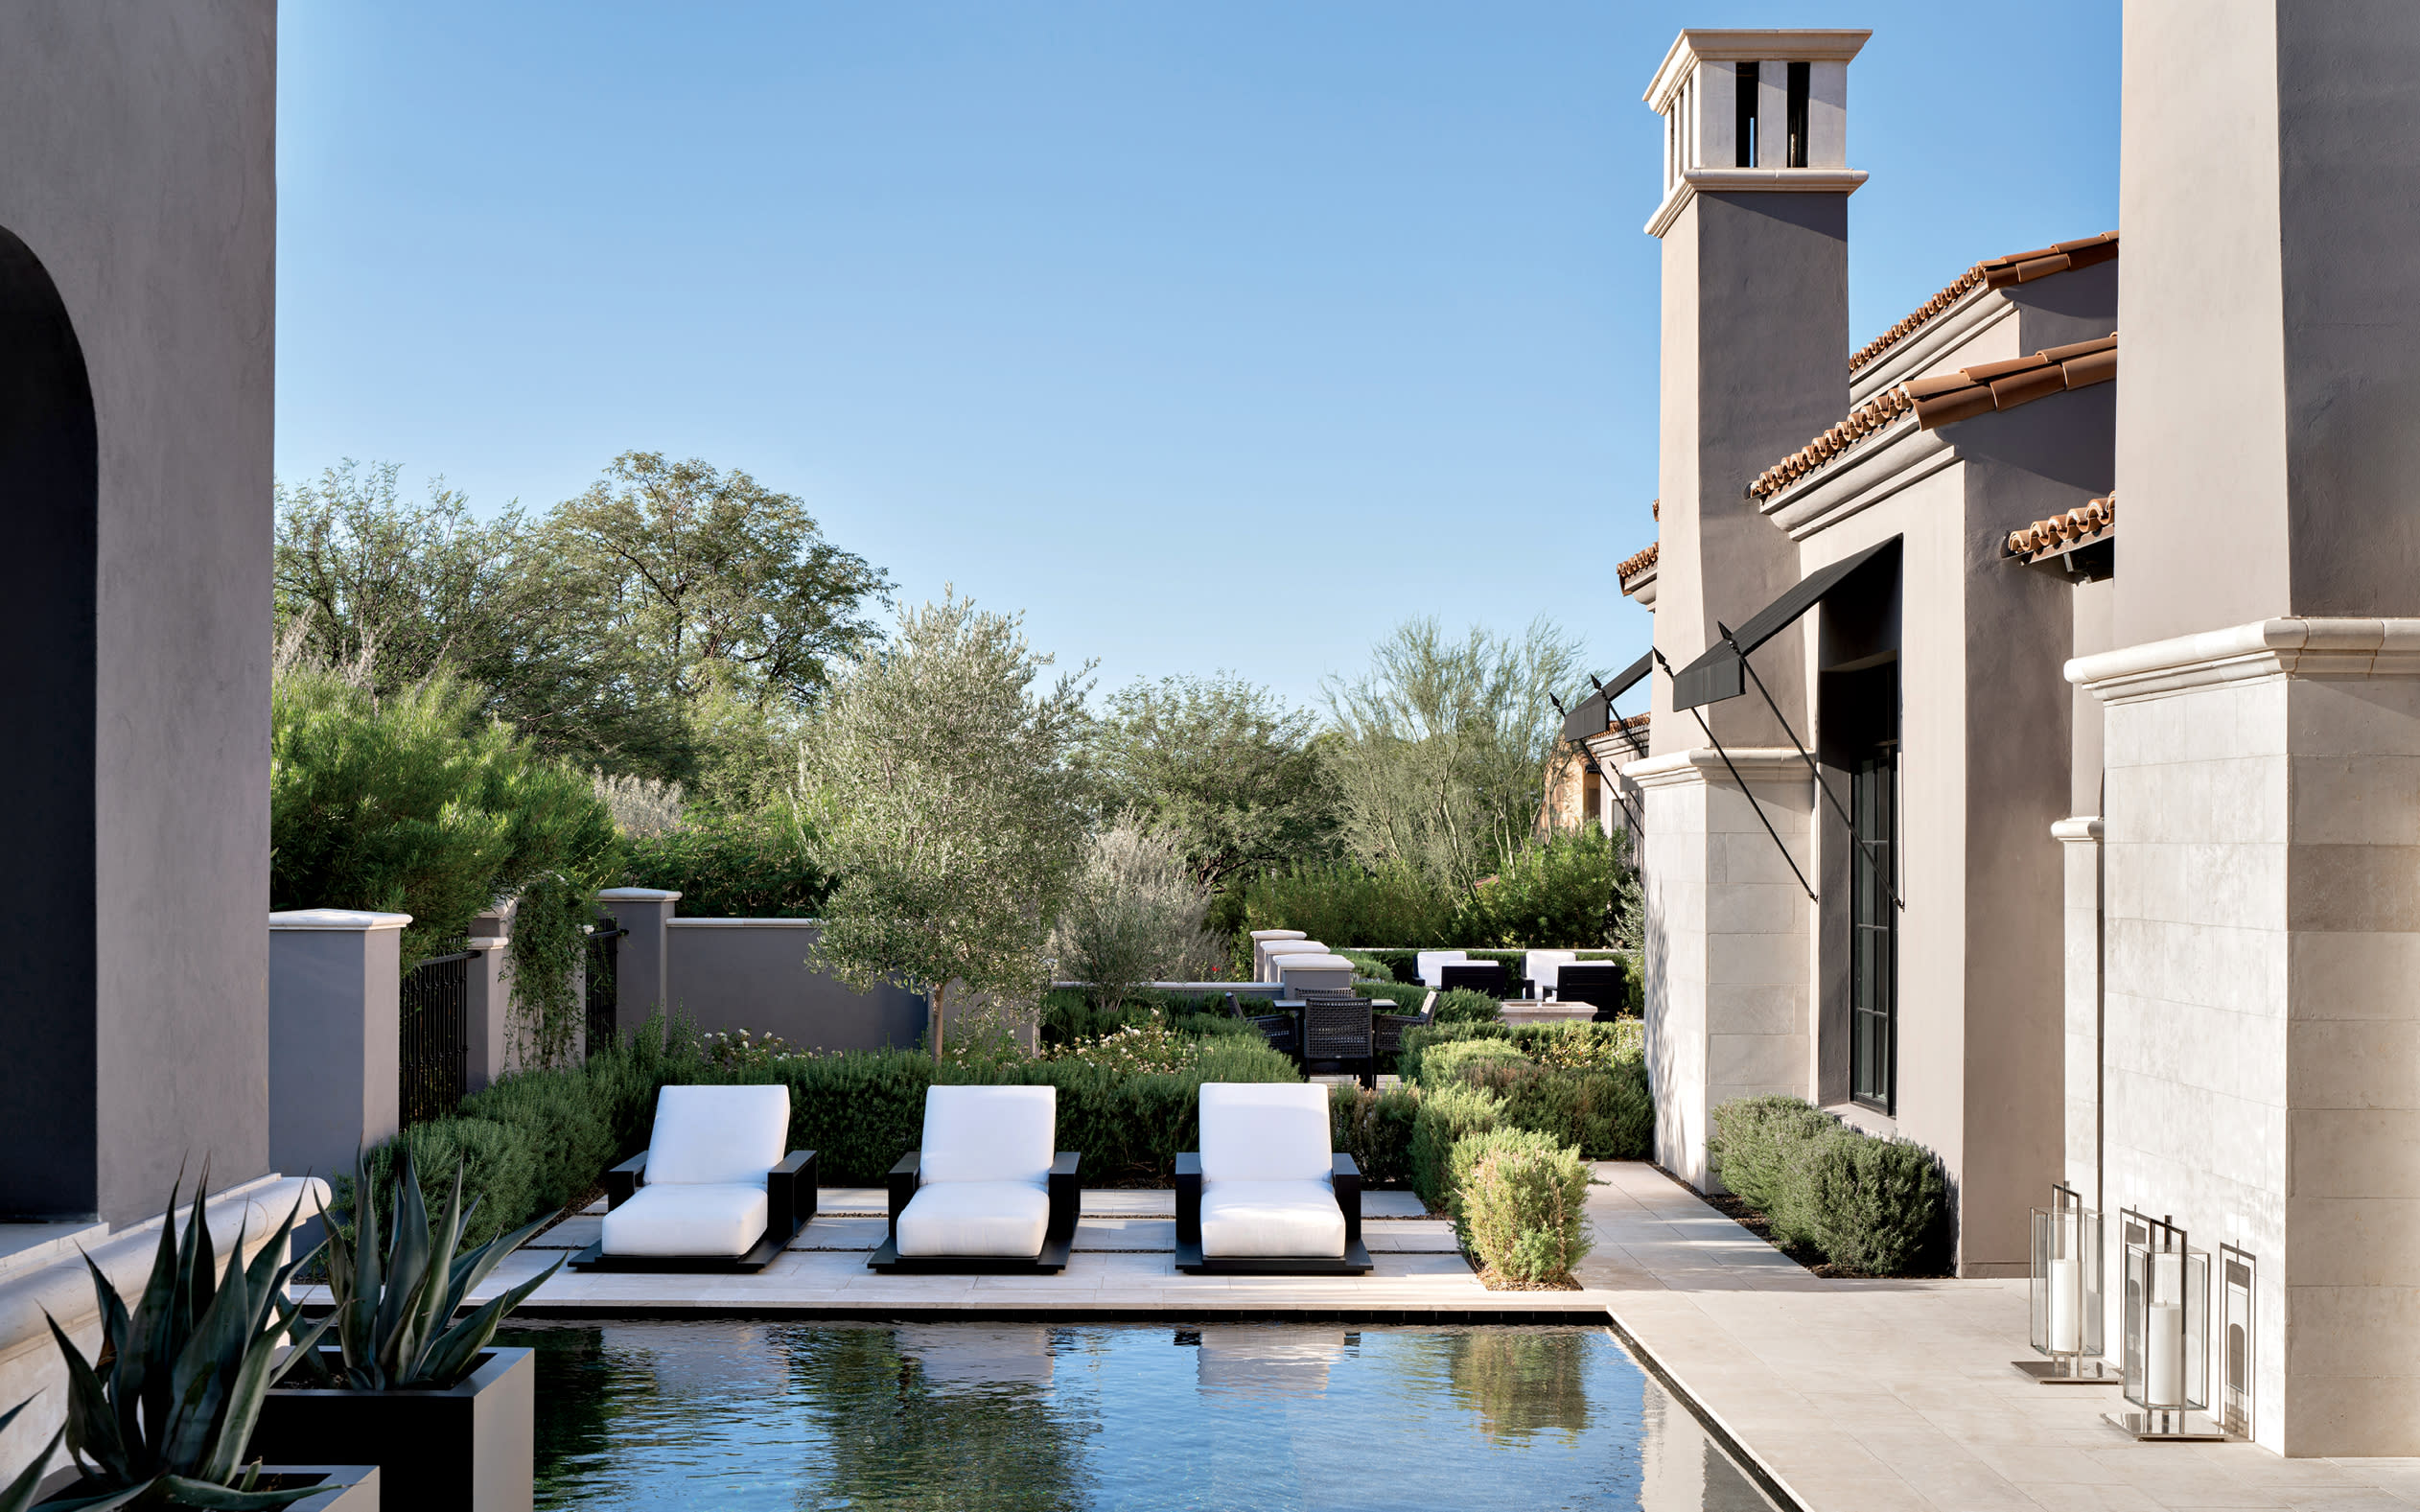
1696, 181
2300, 648
1763, 766
356, 920
2084, 829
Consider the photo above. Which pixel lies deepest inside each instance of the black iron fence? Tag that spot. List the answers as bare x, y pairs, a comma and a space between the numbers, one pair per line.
436, 1036
604, 957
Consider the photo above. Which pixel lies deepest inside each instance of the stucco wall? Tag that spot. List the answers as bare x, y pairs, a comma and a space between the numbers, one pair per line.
140, 171
730, 974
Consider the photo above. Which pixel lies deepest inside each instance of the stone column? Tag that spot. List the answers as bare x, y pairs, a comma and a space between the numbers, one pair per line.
334, 1036
2080, 846
1727, 945
642, 982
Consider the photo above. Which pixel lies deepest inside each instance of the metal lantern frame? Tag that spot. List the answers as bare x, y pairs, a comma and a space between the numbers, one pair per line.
2066, 1311
2166, 1330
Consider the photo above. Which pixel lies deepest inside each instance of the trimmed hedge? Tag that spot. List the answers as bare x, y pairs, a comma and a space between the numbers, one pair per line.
1869, 1205
1446, 1063
1375, 1129
1468, 1006
1606, 1115
1603, 1044
1521, 1203
1446, 1116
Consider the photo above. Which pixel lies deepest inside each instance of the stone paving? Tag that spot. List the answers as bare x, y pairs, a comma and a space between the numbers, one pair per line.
1877, 1396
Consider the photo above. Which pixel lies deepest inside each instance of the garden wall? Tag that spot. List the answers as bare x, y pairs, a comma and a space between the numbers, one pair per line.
751, 973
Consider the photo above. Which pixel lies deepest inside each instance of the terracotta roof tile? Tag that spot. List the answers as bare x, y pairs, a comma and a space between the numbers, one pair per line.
1638, 562
1946, 398
2094, 521
1999, 272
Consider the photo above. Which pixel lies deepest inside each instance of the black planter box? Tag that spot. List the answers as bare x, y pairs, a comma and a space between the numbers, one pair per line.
471, 1448
351, 1488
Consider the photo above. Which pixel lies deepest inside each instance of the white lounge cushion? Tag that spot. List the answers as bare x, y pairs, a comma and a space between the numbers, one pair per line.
1277, 934
1428, 963
989, 1134
1265, 1132
688, 1218
974, 1218
1297, 1218
1541, 965
718, 1134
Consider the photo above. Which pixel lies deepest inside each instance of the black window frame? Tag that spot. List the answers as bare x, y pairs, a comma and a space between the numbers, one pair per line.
1873, 954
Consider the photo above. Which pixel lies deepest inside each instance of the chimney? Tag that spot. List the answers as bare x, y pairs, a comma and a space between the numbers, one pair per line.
1755, 225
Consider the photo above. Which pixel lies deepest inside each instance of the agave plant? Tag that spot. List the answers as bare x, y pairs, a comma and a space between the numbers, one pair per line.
395, 1295
18, 1494
163, 1417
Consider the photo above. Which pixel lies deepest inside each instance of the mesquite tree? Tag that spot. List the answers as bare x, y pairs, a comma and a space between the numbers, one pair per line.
939, 770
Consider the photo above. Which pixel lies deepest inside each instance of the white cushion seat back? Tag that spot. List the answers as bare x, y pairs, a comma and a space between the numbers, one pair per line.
989, 1134
1265, 1132
1428, 963
1540, 967
700, 1218
718, 1135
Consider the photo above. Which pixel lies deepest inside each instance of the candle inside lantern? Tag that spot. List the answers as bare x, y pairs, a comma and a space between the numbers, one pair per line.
2067, 1306
2164, 1355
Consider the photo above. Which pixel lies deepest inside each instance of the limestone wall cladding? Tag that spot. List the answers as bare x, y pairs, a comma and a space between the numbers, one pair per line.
1727, 945
2262, 1053
2081, 1041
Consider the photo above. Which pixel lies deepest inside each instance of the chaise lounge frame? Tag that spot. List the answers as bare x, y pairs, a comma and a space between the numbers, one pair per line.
1346, 1177
790, 1198
1058, 1237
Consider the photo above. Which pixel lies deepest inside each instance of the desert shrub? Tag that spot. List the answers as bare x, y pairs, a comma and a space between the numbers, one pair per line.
1339, 901
1549, 1044
748, 865
1878, 1206
1137, 915
1573, 890
1375, 1129
1452, 1112
1447, 1062
499, 1174
1756, 1147
1367, 968
1605, 1114
1465, 1006
1521, 1203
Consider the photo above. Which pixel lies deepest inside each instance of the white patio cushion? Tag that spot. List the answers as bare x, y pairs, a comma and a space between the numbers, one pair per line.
974, 1218
989, 1134
1428, 963
716, 1134
1265, 1132
688, 1218
1277, 933
1541, 965
1271, 1218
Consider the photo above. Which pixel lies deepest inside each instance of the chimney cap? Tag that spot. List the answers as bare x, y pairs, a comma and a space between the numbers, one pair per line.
1760, 44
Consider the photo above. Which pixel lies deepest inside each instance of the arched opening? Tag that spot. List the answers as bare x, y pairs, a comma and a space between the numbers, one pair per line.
50, 508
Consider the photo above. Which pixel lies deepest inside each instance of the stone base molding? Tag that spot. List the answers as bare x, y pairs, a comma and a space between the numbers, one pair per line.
2302, 647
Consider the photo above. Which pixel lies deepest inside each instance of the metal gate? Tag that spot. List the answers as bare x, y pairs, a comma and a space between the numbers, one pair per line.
436, 1037
604, 958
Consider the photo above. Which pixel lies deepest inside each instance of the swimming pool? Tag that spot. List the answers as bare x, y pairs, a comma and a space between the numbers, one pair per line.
743, 1415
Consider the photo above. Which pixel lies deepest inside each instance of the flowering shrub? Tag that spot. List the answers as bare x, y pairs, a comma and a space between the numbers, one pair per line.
743, 1050
1137, 1047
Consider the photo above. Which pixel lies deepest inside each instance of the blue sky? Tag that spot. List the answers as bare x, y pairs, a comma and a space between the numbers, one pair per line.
1209, 336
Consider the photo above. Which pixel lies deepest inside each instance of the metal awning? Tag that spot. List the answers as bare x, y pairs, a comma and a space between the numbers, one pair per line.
1717, 675
1594, 715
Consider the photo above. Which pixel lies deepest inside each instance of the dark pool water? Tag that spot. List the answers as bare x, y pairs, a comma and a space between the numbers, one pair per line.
736, 1414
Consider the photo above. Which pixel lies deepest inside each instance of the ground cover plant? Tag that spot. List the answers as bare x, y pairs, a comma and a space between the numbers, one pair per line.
1828, 1193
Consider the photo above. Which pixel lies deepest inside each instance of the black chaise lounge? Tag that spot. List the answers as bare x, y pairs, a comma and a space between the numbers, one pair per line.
712, 1191
1267, 1193
985, 1193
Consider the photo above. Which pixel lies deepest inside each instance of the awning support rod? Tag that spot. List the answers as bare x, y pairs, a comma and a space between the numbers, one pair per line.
1873, 858
1745, 791
1614, 720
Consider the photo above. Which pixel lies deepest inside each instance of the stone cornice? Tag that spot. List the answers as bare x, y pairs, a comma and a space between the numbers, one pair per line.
2297, 648
1695, 181
1876, 468
1728, 44
1701, 765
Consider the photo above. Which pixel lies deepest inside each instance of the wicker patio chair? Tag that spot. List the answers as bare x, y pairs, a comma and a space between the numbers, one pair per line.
1339, 1033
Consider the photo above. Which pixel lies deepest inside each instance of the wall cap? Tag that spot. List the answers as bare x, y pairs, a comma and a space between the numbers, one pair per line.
637, 894
352, 919
2299, 646
1703, 764
1695, 181
2080, 827
742, 923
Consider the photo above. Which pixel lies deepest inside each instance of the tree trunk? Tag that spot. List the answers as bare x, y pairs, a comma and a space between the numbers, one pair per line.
935, 1035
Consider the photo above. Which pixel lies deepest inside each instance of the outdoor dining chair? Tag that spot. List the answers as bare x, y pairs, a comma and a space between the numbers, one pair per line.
985, 1192
1479, 976
1267, 1191
1338, 1032
1597, 982
1278, 1031
712, 1191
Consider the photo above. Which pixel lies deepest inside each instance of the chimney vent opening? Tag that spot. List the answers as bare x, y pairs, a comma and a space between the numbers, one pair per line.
1745, 134
1798, 80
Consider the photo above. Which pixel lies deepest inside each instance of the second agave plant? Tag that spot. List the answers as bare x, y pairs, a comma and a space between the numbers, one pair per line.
402, 1381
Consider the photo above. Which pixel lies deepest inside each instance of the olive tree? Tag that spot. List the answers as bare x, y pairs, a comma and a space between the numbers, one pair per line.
938, 769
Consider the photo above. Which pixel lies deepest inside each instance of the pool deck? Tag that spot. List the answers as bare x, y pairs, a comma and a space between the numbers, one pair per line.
1849, 1396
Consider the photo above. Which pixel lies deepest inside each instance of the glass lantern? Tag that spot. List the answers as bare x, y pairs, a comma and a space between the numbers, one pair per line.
2066, 1294
2166, 1333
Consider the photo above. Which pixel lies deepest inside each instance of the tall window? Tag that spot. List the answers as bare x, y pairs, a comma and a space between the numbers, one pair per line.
1874, 976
